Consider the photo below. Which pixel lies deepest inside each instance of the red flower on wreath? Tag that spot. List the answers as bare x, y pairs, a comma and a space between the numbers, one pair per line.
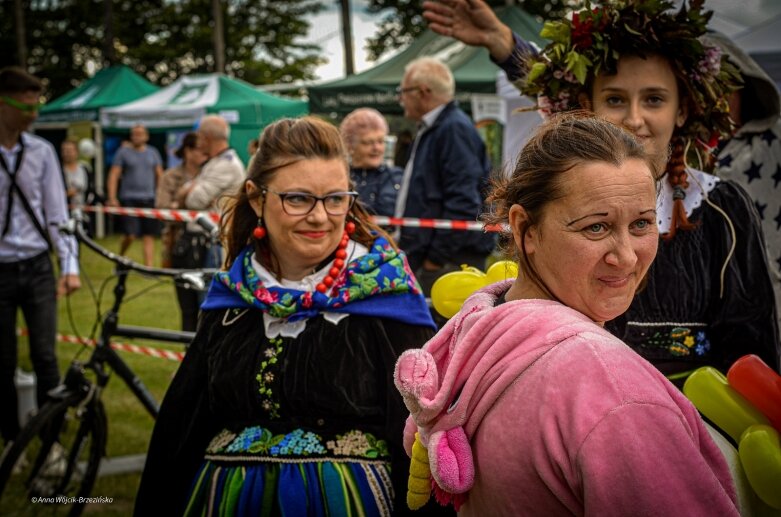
582, 30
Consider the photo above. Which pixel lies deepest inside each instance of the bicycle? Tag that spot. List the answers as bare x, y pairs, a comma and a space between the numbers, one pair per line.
56, 456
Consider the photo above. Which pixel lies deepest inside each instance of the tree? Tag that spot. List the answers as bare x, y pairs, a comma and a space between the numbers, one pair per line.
276, 56
67, 40
347, 37
404, 21
260, 37
218, 36
21, 31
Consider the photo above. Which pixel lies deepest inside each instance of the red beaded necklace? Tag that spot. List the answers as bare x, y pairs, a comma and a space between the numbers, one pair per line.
339, 257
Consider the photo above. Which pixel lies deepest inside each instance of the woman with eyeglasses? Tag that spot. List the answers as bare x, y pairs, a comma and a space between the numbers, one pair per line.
285, 402
364, 131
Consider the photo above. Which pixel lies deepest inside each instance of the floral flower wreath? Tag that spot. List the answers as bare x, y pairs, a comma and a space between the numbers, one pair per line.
594, 40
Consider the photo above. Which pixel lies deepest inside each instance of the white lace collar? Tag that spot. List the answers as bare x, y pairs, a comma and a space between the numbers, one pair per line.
281, 327
700, 184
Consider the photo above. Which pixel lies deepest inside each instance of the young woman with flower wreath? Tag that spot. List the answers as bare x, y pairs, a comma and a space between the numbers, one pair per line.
284, 404
709, 299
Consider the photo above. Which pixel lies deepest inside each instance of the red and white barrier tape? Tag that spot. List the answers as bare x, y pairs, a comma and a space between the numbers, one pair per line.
125, 347
190, 215
162, 214
439, 224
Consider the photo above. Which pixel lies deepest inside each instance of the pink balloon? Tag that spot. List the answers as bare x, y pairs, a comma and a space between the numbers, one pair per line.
759, 384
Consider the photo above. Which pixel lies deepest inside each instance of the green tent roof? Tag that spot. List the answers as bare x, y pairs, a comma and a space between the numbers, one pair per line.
181, 105
109, 87
184, 102
472, 68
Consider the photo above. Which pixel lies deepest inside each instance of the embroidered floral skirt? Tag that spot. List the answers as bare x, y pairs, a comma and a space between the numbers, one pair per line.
296, 474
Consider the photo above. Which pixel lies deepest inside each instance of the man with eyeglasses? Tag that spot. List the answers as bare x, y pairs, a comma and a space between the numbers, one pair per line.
446, 176
33, 206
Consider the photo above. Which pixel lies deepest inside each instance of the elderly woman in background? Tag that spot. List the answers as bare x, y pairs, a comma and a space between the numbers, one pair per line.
285, 403
179, 250
527, 406
364, 131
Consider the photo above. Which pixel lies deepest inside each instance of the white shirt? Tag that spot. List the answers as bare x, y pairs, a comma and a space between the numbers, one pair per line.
401, 199
40, 178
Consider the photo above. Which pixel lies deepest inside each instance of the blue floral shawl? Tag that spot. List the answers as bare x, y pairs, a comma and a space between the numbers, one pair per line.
379, 283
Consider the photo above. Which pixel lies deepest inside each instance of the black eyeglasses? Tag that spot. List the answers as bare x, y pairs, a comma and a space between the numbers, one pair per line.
301, 203
401, 91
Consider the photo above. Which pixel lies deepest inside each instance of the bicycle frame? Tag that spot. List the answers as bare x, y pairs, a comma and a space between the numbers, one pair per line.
74, 419
104, 354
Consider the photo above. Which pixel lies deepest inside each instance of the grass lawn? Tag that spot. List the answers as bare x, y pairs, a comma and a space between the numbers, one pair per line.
148, 302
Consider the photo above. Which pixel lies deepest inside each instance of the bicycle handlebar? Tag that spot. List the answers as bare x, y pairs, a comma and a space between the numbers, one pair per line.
194, 277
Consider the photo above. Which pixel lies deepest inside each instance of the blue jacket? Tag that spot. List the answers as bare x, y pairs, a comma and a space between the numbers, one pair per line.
377, 188
449, 181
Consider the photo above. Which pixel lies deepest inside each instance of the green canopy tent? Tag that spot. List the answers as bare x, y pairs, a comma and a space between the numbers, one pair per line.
80, 108
109, 87
182, 104
376, 88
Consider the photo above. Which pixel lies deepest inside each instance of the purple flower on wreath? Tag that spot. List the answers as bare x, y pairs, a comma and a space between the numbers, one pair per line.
547, 106
566, 75
709, 65
266, 296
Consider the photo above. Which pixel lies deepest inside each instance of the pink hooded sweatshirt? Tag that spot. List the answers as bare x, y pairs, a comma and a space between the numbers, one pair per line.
529, 408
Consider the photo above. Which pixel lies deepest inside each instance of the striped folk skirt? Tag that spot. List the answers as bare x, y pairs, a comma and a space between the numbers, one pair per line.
298, 474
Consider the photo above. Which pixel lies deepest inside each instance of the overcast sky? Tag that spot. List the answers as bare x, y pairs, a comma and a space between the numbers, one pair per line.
326, 31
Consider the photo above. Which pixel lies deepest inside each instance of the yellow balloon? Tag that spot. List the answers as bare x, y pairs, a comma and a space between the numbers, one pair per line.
419, 481
709, 391
451, 290
760, 455
502, 270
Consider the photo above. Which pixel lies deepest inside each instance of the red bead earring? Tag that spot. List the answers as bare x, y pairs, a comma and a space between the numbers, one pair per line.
259, 232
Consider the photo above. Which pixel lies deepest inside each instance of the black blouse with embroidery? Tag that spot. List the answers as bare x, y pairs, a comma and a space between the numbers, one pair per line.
680, 321
330, 379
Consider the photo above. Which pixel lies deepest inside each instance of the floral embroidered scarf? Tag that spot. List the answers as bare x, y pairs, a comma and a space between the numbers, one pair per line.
379, 283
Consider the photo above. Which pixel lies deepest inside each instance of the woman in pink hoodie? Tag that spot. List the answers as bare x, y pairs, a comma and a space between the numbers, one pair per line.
524, 403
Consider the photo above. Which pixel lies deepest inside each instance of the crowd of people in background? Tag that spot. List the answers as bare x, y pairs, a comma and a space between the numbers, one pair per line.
641, 213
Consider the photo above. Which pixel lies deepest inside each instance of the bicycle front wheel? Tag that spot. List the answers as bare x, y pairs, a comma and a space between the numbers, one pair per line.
52, 465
